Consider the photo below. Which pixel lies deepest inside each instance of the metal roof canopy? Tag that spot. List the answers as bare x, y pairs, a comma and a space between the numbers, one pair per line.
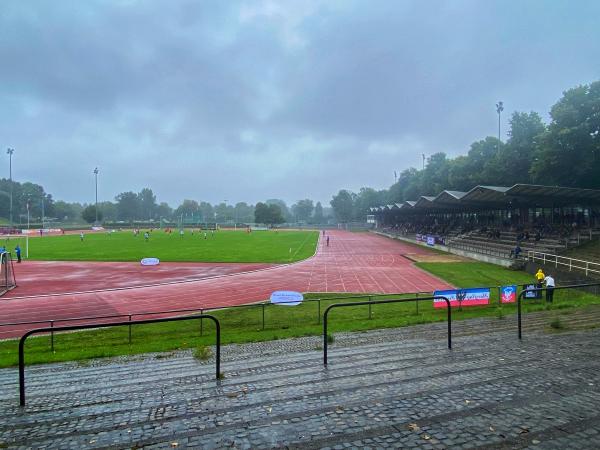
424, 202
451, 197
500, 197
553, 195
487, 196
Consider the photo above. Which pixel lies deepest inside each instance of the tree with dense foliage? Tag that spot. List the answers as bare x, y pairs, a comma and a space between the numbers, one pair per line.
285, 211
243, 212
148, 205
89, 214
318, 217
128, 206
568, 154
303, 210
343, 205
188, 208
268, 214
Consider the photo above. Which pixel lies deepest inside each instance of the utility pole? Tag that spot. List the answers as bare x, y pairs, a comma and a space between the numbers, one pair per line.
423, 161
10, 152
499, 109
96, 176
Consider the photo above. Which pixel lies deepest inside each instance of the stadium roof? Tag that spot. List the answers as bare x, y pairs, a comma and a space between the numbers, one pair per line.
424, 202
491, 197
557, 194
449, 196
487, 194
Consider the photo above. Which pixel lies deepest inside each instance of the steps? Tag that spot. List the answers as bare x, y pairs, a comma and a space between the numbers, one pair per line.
397, 387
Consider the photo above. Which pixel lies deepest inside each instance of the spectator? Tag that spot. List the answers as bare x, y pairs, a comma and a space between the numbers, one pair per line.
550, 285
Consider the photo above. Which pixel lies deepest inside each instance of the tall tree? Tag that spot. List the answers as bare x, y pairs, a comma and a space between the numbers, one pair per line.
568, 153
164, 211
282, 206
147, 203
268, 214
303, 210
189, 209
318, 217
244, 213
343, 205
89, 214
128, 206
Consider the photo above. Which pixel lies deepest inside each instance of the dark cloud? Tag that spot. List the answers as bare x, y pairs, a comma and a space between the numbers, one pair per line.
252, 100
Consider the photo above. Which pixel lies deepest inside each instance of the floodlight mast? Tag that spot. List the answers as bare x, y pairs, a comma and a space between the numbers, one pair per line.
10, 152
499, 109
96, 179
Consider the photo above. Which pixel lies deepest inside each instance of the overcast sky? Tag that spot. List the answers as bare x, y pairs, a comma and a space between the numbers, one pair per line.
244, 101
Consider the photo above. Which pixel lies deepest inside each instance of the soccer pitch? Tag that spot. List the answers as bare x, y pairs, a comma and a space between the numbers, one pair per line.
222, 246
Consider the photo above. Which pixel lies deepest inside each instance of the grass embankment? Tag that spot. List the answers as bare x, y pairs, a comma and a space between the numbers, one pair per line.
246, 324
220, 246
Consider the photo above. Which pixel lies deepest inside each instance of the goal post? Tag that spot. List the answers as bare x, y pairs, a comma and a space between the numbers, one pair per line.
7, 273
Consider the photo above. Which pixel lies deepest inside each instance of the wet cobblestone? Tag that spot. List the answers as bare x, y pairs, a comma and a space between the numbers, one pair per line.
382, 389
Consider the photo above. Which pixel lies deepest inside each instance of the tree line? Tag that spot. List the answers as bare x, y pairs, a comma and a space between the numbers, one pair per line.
565, 152
143, 206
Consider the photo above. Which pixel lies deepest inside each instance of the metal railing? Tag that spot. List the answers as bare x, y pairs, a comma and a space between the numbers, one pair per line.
112, 324
479, 248
381, 302
539, 291
130, 316
572, 263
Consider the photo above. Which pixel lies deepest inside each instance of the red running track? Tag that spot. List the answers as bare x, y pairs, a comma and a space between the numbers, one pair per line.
354, 262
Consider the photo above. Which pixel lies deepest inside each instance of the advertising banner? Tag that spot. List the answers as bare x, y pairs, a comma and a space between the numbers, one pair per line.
508, 294
462, 297
150, 262
431, 240
532, 294
286, 298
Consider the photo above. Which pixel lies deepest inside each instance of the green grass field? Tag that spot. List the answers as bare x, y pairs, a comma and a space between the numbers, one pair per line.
245, 324
223, 246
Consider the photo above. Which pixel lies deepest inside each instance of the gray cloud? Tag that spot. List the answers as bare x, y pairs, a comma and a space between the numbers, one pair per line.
252, 100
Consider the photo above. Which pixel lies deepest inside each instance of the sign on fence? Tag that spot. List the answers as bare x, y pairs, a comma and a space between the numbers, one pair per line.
462, 297
508, 294
532, 294
286, 298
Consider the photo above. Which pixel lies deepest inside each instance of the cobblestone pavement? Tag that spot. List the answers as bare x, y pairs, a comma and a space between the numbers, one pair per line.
398, 388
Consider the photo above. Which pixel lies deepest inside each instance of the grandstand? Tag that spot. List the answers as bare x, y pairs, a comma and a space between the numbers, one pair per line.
493, 220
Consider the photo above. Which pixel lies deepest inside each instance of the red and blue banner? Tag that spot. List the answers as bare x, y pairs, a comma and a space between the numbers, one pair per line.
462, 297
508, 294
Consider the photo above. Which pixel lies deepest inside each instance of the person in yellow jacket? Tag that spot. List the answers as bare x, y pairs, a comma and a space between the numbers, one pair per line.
539, 277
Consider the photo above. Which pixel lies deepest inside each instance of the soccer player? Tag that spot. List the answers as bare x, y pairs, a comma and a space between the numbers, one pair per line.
81, 236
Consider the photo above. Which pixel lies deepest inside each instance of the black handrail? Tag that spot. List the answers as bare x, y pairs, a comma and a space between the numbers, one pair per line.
573, 286
379, 302
174, 311
113, 324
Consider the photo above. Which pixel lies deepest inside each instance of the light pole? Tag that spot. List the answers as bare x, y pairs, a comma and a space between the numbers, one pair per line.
10, 152
499, 109
96, 177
